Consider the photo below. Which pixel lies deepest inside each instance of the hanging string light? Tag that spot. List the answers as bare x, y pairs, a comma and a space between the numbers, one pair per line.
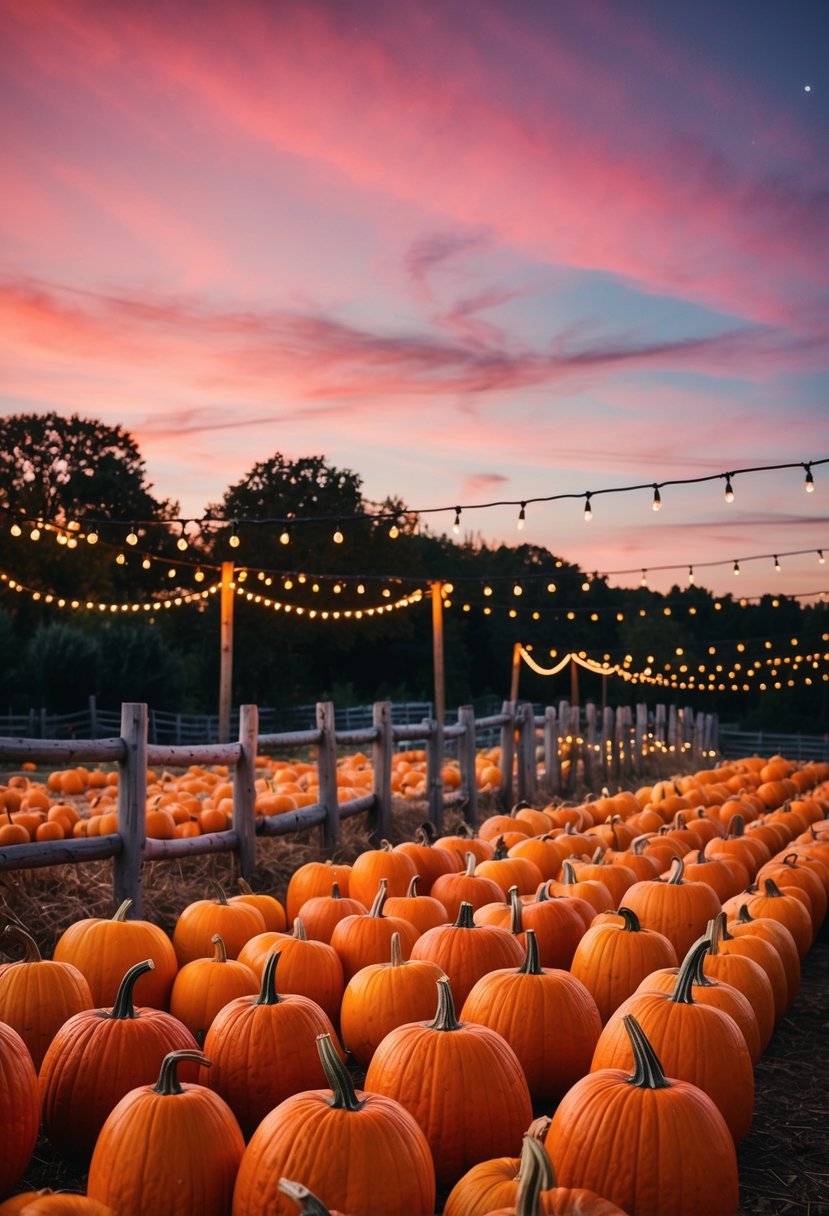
338, 537
690, 574
522, 515
776, 563
729, 489
235, 540
809, 483
736, 567
456, 526
132, 536
588, 510
657, 498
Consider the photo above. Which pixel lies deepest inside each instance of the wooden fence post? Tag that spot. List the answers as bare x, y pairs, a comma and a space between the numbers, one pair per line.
589, 744
641, 733
466, 762
573, 730
244, 789
552, 772
607, 746
434, 774
327, 769
507, 754
659, 726
132, 804
381, 759
527, 768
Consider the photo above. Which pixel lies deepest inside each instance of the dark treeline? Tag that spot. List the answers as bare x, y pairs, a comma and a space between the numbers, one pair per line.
64, 479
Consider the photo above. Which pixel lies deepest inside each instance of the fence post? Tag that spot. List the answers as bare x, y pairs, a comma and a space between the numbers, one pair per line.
659, 726
327, 769
608, 746
467, 751
244, 789
132, 805
641, 733
574, 731
527, 770
589, 744
381, 757
552, 772
434, 773
93, 716
507, 754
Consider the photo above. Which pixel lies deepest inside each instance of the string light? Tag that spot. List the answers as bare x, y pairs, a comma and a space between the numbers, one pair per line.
132, 536
394, 532
16, 530
588, 511
35, 533
736, 567
285, 537
181, 543
657, 498
776, 563
729, 489
809, 483
338, 537
690, 574
92, 537
456, 526
235, 540
821, 559
522, 515
643, 582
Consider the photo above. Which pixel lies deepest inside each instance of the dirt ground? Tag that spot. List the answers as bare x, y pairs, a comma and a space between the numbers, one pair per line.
784, 1159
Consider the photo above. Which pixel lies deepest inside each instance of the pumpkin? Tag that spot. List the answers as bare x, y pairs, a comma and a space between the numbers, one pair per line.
591, 890
776, 933
536, 1193
19, 1107
423, 911
372, 865
542, 852
168, 1147
760, 952
696, 1043
547, 1016
648, 1142
196, 924
465, 887
314, 878
63, 1203
677, 909
320, 913
206, 985
359, 1151
611, 960
103, 949
510, 870
308, 968
273, 913
558, 926
785, 905
263, 1048
746, 975
465, 951
617, 878
442, 1070
430, 862
37, 995
360, 940
384, 995
791, 870
96, 1057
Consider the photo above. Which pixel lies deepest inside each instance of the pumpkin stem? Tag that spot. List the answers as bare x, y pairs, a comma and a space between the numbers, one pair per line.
535, 1175
426, 834
736, 826
682, 994
376, 908
639, 845
465, 920
219, 948
396, 952
771, 888
123, 910
335, 891
531, 964
569, 877
309, 1204
299, 930
245, 887
124, 1007
218, 890
647, 1071
384, 846
168, 1082
343, 1093
632, 923
597, 856
471, 862
267, 990
516, 923
411, 890
700, 979
677, 872
31, 947
445, 1018
743, 915
501, 850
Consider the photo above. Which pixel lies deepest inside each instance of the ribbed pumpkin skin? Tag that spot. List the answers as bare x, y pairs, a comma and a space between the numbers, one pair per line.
307, 968
374, 1161
103, 950
612, 960
197, 923
93, 1060
36, 998
696, 1043
651, 1151
439, 1076
19, 1107
491, 1189
205, 986
314, 878
60, 1203
176, 1153
776, 934
679, 910
372, 865
721, 995
549, 1019
464, 954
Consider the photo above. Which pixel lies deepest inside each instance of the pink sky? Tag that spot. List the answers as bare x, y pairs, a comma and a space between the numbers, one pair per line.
471, 250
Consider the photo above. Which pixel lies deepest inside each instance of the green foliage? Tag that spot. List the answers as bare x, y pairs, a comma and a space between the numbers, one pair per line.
62, 667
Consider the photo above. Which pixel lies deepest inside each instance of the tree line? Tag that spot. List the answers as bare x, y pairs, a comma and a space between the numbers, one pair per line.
64, 478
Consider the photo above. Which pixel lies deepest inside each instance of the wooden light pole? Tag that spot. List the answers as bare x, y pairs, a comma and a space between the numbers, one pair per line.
437, 650
226, 662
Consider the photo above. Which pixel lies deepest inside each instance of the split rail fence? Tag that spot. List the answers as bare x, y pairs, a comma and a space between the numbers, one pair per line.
560, 752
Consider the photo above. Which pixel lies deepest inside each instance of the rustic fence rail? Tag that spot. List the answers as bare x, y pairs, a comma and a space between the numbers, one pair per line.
555, 753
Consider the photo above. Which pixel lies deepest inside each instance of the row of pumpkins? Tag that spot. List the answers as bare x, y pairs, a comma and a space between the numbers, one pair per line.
80, 801
614, 969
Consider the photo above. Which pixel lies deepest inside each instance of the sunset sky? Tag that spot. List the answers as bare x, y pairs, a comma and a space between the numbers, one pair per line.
472, 250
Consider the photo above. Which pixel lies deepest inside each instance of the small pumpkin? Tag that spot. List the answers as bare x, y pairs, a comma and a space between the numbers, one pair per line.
19, 1107
37, 995
235, 923
206, 985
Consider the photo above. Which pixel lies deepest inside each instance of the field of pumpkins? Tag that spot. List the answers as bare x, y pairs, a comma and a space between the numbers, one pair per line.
570, 1010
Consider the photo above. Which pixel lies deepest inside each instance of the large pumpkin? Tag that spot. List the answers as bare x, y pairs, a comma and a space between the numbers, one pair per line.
19, 1107
37, 995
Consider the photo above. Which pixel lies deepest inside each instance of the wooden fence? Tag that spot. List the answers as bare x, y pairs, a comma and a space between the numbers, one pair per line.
557, 752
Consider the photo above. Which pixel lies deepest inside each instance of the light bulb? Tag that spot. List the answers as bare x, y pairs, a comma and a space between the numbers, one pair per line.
522, 515
643, 582
657, 499
132, 538
181, 543
199, 576
820, 556
92, 538
16, 530
146, 564
729, 490
809, 483
776, 562
284, 537
588, 513
736, 567
338, 537
690, 574
34, 534
234, 540
456, 526
394, 532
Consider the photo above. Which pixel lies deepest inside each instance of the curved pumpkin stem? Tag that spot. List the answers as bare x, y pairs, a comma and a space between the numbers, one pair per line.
569, 876
445, 1018
218, 891
309, 1204
531, 964
535, 1174
426, 834
245, 887
376, 908
384, 846
771, 889
168, 1082
677, 872
267, 990
123, 910
717, 931
343, 1093
682, 994
29, 944
647, 1071
411, 890
335, 891
465, 920
501, 850
219, 948
632, 923
744, 917
396, 951
124, 1006
516, 922
471, 862
298, 930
